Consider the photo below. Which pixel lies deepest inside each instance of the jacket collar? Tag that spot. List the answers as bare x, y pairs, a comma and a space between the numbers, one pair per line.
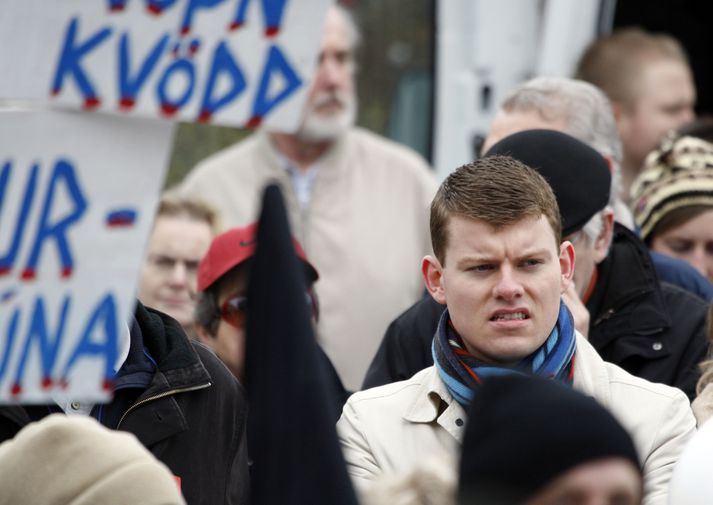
627, 274
169, 346
433, 403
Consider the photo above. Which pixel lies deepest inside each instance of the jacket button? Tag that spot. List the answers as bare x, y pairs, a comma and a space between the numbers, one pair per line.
459, 422
657, 346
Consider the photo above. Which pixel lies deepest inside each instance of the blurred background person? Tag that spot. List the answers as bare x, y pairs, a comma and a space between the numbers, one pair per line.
221, 308
581, 110
672, 201
571, 106
649, 82
356, 201
181, 234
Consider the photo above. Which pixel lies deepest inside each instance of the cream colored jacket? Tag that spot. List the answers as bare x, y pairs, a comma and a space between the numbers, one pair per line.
365, 230
389, 429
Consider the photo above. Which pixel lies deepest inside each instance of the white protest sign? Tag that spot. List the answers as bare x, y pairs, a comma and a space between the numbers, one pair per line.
77, 198
230, 62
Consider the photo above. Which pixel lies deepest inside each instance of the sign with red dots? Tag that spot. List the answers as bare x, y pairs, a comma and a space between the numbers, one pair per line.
77, 198
240, 63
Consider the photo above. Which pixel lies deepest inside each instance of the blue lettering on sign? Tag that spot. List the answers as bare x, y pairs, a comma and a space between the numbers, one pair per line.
39, 335
99, 340
63, 175
117, 5
70, 63
272, 10
7, 260
153, 6
276, 63
177, 82
104, 318
158, 6
169, 106
240, 15
223, 64
128, 86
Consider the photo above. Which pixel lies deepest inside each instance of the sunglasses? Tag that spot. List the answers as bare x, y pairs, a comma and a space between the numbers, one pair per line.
234, 309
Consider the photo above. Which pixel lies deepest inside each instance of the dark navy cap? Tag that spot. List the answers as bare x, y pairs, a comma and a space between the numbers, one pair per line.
579, 175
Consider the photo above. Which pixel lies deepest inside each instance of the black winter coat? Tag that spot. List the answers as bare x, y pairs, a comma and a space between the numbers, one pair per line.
650, 329
191, 415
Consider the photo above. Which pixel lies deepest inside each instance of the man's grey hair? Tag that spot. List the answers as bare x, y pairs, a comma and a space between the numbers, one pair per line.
594, 228
583, 108
352, 28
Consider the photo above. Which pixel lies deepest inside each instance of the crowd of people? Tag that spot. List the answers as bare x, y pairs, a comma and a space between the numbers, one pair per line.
534, 330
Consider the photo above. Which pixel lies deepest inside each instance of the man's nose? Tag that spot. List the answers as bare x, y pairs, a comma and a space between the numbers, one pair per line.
508, 285
330, 72
179, 273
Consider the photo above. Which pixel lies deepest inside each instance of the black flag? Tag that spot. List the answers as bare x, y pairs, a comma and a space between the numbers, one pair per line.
292, 437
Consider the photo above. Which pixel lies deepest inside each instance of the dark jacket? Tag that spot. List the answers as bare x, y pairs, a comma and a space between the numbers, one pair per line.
653, 330
181, 402
680, 273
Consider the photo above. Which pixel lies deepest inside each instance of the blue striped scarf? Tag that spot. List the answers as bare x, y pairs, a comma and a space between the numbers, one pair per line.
461, 372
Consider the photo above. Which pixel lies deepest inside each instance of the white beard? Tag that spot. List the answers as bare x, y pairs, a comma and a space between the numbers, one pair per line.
322, 127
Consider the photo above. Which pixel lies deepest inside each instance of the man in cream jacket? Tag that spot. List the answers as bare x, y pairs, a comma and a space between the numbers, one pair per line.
501, 267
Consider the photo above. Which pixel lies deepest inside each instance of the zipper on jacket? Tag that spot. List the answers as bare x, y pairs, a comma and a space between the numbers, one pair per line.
159, 396
604, 316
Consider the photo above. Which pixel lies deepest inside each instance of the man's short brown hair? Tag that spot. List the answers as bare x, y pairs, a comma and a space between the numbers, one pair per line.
497, 190
614, 62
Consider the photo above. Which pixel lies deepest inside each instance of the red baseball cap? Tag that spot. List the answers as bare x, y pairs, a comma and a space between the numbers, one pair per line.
233, 247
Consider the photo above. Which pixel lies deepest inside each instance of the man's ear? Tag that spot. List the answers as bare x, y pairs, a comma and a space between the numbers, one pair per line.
567, 259
603, 241
432, 272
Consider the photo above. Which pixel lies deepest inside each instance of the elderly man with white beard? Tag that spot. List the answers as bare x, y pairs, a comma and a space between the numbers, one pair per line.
357, 202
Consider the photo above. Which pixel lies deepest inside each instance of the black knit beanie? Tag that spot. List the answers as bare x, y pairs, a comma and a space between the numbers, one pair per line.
525, 431
579, 175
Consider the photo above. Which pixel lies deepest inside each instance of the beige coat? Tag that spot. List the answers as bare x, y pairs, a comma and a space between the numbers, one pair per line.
365, 230
390, 428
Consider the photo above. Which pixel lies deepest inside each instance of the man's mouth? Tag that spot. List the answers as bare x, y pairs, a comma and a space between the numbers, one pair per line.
510, 316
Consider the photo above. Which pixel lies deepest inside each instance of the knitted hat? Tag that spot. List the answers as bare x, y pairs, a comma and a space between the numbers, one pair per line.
525, 431
64, 460
579, 175
233, 247
678, 174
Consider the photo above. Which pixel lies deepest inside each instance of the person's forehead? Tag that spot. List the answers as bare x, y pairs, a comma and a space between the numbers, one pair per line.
666, 79
520, 120
336, 33
471, 234
507, 123
180, 232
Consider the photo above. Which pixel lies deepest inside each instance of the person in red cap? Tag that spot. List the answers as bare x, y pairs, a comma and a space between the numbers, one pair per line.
221, 305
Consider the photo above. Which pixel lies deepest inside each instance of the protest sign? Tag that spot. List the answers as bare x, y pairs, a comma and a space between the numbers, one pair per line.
229, 62
77, 198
